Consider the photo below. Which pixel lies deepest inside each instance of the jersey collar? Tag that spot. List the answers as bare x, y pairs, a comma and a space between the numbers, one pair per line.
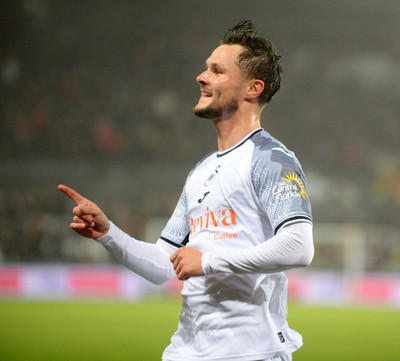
244, 140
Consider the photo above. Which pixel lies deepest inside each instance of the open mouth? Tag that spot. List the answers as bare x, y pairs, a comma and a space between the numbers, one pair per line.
205, 93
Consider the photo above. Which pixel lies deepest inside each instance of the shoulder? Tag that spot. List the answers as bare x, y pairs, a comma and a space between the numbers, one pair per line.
272, 153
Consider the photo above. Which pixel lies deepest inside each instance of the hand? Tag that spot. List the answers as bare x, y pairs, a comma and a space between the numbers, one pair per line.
187, 263
88, 220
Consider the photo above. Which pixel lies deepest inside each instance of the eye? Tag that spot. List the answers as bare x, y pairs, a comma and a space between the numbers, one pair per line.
215, 68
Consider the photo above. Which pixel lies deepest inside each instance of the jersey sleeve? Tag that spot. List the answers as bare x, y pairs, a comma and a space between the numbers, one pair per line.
291, 248
148, 260
280, 186
176, 231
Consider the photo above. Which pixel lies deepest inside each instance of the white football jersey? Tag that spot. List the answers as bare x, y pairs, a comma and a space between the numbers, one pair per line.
236, 199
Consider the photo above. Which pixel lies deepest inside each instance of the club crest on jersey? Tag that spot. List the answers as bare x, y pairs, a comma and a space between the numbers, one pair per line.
211, 178
291, 186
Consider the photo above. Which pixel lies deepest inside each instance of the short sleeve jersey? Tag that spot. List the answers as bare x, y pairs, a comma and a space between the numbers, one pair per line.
237, 199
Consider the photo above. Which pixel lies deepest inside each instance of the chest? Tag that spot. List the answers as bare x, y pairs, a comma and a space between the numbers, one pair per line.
220, 190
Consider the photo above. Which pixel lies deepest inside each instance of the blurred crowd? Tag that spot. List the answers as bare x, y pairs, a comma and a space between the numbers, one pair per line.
119, 94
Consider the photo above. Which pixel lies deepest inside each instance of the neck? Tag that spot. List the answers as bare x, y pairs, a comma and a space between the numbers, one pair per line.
231, 131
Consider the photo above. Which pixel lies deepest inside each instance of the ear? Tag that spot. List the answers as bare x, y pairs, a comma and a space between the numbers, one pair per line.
255, 88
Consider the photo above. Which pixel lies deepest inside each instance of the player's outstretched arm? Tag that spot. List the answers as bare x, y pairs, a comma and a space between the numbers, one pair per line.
148, 260
88, 218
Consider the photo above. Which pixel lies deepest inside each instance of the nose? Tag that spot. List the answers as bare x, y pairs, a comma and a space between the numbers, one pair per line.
202, 78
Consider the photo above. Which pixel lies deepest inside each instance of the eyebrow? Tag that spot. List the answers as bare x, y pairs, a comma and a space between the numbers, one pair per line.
213, 65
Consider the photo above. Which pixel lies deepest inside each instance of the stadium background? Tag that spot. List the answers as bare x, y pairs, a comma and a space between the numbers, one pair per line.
98, 95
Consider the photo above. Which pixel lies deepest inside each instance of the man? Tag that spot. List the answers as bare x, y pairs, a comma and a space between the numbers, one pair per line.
243, 217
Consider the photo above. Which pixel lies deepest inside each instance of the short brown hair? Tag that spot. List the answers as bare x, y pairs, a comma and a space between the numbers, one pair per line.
259, 60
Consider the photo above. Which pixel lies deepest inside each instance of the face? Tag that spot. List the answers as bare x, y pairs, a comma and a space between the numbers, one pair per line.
222, 85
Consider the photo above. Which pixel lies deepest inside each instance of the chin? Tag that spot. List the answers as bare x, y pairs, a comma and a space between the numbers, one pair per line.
203, 112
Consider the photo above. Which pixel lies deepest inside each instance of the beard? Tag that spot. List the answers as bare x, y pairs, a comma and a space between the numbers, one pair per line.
218, 111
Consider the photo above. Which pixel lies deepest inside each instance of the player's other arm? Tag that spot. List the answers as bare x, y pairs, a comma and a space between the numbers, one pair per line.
291, 247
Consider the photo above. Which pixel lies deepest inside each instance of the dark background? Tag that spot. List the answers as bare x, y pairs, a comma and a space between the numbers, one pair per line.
99, 94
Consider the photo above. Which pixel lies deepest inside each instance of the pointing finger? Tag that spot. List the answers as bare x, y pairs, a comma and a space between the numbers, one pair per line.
74, 195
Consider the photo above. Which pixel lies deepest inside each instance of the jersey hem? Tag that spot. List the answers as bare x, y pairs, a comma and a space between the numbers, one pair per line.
264, 356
